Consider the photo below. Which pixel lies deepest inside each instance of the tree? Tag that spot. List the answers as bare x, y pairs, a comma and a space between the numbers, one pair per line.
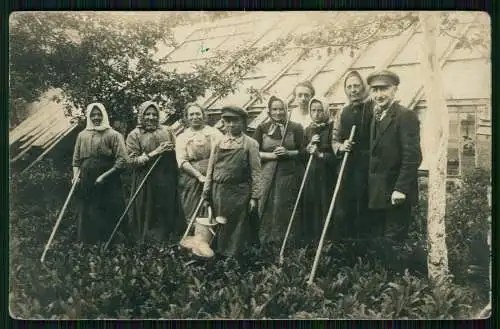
439, 121
109, 58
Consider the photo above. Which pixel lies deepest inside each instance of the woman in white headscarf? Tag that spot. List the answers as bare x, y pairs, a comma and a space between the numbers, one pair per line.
98, 159
321, 179
155, 211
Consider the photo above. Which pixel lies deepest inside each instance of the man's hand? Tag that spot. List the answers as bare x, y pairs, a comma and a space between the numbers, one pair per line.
397, 198
252, 206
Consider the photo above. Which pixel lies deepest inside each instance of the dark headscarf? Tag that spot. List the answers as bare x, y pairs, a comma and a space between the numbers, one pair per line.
364, 91
142, 110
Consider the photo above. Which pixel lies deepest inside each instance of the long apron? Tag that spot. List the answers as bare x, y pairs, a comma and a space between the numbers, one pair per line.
231, 192
281, 181
156, 207
99, 206
190, 188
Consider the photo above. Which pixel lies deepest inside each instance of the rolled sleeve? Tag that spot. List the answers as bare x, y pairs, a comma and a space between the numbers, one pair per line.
256, 169
120, 151
210, 169
133, 148
337, 135
181, 150
77, 161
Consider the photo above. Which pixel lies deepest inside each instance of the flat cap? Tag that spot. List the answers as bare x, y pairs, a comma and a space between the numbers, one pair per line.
233, 111
382, 78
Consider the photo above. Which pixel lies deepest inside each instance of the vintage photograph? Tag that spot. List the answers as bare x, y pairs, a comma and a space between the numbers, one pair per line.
250, 165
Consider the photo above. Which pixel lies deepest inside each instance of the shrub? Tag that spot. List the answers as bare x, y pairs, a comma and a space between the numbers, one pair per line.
153, 280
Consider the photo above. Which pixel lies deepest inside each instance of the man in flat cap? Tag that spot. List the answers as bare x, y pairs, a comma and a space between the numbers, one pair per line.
232, 186
395, 157
351, 210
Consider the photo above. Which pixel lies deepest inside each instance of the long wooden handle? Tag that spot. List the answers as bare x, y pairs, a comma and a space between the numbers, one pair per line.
131, 201
61, 214
193, 218
330, 212
282, 251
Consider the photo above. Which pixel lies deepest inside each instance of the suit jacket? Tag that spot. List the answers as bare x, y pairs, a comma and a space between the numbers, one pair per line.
395, 156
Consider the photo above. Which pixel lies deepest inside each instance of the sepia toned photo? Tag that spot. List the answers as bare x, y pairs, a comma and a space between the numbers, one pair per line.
250, 165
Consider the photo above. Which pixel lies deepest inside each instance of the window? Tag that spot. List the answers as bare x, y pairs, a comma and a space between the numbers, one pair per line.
462, 139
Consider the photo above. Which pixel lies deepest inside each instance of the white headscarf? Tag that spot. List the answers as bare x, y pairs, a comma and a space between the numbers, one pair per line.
325, 118
105, 120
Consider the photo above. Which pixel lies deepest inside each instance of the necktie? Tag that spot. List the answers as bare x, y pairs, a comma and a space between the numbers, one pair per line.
378, 113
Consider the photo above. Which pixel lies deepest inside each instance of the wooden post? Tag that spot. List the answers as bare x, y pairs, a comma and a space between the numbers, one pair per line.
438, 123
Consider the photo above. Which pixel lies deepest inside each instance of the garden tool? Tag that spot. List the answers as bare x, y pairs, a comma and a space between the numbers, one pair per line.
330, 210
131, 201
61, 214
185, 240
308, 167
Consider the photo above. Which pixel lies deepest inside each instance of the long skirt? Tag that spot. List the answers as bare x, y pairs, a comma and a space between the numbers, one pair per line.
316, 199
231, 201
98, 206
190, 189
155, 212
352, 219
276, 207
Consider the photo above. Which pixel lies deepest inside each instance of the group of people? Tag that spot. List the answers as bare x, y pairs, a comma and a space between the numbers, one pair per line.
254, 181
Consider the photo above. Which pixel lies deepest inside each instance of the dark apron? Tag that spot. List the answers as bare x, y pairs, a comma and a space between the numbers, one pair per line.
99, 205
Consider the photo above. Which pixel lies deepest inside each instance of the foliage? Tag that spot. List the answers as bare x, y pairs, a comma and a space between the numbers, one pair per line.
467, 219
358, 281
114, 60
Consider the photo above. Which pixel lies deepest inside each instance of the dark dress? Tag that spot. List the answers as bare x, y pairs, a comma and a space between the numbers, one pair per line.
320, 183
233, 178
351, 217
99, 205
281, 182
155, 211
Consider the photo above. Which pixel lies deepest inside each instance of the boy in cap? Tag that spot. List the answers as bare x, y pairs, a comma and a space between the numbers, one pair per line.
232, 182
395, 157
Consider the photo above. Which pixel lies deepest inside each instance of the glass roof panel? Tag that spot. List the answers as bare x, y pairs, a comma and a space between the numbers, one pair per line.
235, 42
282, 88
467, 79
224, 30
241, 95
411, 51
411, 79
341, 61
308, 63
272, 66
193, 49
378, 52
183, 67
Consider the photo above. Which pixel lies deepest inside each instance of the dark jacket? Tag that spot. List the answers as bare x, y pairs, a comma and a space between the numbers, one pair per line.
395, 156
